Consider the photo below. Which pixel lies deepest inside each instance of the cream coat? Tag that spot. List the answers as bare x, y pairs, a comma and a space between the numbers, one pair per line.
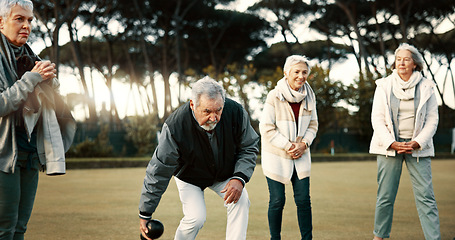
426, 119
278, 130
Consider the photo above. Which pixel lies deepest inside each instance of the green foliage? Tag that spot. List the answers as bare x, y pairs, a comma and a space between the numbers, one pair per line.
142, 132
270, 77
100, 147
138, 41
321, 50
361, 95
329, 94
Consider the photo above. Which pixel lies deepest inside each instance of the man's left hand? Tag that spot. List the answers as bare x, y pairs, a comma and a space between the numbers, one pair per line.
232, 191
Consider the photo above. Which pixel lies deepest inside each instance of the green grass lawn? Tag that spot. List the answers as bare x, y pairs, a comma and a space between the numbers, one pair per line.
103, 203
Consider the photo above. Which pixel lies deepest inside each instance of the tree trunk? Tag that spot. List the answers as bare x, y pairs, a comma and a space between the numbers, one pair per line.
403, 17
148, 64
178, 18
166, 74
77, 55
352, 19
114, 117
374, 13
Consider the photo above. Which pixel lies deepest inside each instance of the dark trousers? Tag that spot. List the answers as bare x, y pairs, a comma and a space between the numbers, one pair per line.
17, 195
302, 200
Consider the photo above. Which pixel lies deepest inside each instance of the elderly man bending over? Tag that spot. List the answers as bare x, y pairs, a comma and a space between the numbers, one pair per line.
206, 143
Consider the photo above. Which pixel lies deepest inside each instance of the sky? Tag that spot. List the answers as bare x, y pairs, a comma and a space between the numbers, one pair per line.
124, 99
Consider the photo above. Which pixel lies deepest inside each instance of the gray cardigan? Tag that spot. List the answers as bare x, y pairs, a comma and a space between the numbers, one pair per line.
12, 95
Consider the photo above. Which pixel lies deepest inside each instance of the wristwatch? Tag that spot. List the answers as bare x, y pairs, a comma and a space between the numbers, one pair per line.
306, 143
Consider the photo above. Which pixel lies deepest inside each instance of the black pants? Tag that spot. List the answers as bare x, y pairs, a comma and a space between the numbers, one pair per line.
302, 200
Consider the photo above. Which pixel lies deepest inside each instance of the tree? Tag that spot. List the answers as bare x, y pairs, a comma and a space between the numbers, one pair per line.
142, 132
361, 95
188, 39
53, 15
375, 29
348, 25
329, 96
288, 14
321, 50
184, 35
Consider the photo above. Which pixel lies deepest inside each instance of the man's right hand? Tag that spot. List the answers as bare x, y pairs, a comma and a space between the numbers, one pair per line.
143, 228
232, 191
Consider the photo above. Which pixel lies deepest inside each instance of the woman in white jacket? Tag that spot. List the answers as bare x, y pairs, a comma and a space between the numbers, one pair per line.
288, 126
404, 119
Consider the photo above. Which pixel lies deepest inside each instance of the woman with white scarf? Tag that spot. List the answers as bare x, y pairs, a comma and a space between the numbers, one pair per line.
404, 119
288, 126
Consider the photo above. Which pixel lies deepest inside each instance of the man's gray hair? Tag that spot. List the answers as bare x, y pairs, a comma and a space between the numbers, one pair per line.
208, 87
293, 60
7, 5
415, 54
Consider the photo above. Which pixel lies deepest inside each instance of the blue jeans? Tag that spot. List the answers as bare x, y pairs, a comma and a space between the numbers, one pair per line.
302, 200
389, 173
17, 195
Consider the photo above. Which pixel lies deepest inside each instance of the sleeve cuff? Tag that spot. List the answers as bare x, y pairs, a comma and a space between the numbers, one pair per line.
288, 146
145, 216
306, 142
241, 180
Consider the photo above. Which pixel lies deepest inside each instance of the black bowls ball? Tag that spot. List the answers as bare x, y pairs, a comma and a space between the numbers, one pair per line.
155, 229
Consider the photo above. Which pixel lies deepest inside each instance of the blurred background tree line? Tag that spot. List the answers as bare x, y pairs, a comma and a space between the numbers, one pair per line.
138, 42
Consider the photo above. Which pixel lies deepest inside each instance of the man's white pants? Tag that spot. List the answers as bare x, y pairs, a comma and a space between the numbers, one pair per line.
194, 211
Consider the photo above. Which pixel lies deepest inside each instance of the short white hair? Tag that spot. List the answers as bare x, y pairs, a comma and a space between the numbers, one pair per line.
415, 54
293, 60
209, 87
7, 5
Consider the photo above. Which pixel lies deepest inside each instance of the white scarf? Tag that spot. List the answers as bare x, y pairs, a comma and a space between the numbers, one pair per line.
405, 90
305, 93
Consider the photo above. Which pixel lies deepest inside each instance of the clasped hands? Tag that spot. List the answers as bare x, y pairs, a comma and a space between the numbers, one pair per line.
46, 69
297, 150
404, 147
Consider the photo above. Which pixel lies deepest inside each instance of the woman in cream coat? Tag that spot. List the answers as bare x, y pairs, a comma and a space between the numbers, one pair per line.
288, 126
404, 119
